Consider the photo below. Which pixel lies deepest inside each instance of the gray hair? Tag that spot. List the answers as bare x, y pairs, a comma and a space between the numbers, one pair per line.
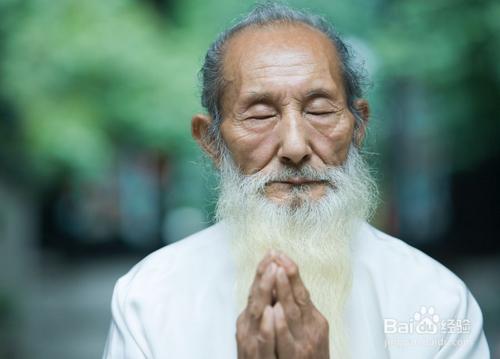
211, 73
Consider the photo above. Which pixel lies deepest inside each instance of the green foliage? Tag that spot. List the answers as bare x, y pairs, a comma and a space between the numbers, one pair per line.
86, 77
450, 50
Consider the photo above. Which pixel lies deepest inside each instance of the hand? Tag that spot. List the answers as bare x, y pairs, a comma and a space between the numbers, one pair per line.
301, 331
255, 325
291, 328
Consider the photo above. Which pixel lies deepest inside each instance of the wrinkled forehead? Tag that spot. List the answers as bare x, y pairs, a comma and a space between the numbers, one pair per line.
282, 51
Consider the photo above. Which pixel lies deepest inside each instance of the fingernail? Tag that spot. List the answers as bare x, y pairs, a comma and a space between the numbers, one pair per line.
284, 258
278, 309
281, 274
271, 268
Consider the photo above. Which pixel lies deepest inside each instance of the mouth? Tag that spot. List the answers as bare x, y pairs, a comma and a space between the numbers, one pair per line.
300, 181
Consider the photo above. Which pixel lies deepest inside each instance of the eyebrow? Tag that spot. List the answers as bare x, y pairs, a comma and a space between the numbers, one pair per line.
319, 92
253, 97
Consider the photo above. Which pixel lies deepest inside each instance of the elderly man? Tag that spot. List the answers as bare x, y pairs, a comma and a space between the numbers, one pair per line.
291, 269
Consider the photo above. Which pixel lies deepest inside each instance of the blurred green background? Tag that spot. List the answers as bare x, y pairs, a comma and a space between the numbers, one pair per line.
97, 166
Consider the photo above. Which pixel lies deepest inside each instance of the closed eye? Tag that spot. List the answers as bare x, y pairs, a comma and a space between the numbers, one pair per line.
261, 117
320, 113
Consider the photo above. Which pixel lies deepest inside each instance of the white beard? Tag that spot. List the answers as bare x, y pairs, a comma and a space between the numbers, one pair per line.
315, 234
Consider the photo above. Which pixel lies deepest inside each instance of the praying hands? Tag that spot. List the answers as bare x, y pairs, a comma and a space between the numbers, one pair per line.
280, 320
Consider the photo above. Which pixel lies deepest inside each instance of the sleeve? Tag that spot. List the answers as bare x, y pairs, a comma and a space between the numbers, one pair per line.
121, 342
465, 337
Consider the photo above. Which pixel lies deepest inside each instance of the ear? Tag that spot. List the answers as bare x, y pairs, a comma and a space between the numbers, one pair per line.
200, 124
363, 109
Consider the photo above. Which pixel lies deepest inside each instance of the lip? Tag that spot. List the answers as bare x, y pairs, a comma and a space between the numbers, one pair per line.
298, 181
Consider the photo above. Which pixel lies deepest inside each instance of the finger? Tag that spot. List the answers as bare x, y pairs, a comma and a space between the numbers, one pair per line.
284, 340
300, 292
261, 268
287, 301
261, 296
266, 333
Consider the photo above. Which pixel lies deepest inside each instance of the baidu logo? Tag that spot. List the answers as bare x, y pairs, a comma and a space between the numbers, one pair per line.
426, 321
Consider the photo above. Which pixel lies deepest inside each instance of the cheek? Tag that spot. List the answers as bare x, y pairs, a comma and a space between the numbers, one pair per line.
252, 150
331, 141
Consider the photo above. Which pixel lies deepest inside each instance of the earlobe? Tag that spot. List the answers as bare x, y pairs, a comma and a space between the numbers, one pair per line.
200, 125
363, 109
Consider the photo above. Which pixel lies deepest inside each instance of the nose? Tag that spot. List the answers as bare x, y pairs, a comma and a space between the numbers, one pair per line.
294, 147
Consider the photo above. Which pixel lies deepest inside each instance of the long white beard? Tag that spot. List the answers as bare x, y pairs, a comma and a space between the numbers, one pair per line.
314, 233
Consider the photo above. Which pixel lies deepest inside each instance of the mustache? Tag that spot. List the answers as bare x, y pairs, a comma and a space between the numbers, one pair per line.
308, 172
285, 174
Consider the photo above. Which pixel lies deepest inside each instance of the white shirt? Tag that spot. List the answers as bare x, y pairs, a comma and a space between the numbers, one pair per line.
178, 303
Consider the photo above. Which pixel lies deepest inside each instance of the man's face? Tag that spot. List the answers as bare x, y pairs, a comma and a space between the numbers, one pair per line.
285, 107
